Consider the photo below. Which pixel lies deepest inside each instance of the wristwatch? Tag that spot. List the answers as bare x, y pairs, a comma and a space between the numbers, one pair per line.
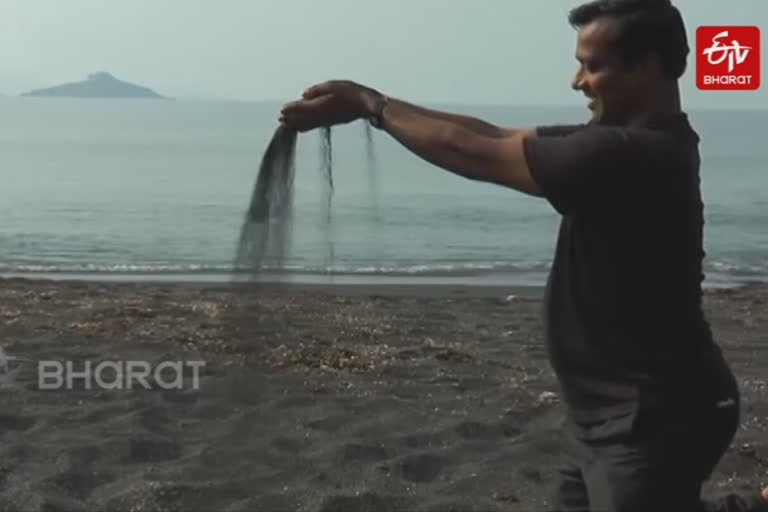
378, 111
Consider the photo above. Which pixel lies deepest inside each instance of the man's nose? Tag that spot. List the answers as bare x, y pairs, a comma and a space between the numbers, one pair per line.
577, 82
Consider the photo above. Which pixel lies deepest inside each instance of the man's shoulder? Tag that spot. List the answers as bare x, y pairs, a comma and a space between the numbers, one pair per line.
589, 138
612, 168
672, 129
656, 143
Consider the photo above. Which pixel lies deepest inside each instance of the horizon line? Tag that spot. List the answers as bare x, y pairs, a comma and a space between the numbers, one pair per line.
447, 103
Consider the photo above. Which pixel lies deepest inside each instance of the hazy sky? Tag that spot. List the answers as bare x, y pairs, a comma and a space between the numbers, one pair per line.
436, 51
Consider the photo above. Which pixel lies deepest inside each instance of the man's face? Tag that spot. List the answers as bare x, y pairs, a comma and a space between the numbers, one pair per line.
614, 90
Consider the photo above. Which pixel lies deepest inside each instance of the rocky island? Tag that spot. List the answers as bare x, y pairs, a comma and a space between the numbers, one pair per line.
97, 85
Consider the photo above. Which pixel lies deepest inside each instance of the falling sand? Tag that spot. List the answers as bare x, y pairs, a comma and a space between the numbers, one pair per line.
266, 232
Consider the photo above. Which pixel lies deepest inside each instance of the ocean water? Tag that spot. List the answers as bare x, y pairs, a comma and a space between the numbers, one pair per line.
145, 189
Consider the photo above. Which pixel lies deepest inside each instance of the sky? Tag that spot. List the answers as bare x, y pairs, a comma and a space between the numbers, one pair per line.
510, 52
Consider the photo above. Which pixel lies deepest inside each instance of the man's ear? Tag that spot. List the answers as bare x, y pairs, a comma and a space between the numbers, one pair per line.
642, 71
651, 66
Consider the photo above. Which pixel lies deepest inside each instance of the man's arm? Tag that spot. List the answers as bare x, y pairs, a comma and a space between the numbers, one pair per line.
490, 155
577, 168
601, 169
465, 146
470, 123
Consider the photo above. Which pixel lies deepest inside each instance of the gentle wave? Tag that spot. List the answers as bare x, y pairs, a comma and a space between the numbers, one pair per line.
738, 269
460, 269
465, 268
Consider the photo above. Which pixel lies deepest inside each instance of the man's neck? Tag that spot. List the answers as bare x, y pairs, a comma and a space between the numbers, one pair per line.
663, 103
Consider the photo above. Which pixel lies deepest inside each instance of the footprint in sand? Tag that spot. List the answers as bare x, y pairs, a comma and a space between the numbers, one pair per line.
329, 424
295, 401
81, 482
363, 453
423, 468
268, 502
425, 440
15, 422
286, 444
78, 478
150, 450
475, 431
369, 502
181, 397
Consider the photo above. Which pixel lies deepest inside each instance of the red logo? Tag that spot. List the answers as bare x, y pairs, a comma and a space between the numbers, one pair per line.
728, 58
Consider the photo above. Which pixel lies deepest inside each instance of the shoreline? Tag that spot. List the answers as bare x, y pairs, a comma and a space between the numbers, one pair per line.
475, 285
396, 289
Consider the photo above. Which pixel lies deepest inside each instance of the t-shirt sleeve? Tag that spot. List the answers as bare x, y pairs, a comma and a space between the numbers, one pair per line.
600, 169
558, 130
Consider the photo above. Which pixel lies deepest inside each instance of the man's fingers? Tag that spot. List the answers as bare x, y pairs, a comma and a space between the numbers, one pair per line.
315, 91
305, 107
293, 106
306, 114
303, 104
321, 89
292, 112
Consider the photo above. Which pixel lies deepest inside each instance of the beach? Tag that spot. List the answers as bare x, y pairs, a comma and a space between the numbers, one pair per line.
309, 398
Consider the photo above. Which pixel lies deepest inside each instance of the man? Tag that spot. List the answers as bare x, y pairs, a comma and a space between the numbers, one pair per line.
652, 405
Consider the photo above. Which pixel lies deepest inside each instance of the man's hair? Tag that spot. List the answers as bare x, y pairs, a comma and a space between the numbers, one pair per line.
646, 26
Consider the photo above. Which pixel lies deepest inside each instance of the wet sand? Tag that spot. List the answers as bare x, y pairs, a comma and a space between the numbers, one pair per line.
312, 398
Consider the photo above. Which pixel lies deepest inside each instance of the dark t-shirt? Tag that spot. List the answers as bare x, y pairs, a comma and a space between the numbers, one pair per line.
624, 322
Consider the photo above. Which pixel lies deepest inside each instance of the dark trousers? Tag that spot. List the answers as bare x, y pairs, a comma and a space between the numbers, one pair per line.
652, 461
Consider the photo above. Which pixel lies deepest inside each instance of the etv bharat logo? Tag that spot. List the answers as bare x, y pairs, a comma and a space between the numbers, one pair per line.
735, 54
728, 58
104, 375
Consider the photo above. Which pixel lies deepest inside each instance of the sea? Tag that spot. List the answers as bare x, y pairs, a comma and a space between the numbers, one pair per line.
158, 189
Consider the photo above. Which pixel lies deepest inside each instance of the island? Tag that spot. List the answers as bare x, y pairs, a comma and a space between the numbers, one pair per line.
97, 85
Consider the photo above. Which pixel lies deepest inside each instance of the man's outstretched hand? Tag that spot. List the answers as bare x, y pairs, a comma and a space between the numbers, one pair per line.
328, 104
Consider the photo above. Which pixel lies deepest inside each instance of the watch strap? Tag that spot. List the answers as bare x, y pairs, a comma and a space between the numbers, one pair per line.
376, 119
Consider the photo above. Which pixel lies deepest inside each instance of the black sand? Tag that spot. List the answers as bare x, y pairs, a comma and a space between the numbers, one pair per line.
313, 399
